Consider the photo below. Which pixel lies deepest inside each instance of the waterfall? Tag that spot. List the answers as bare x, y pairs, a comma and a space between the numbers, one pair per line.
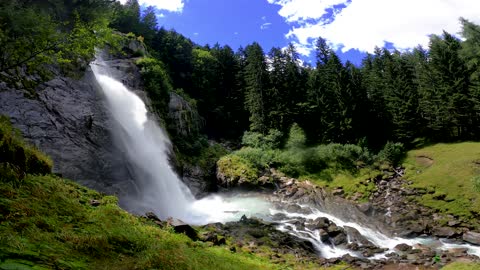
146, 147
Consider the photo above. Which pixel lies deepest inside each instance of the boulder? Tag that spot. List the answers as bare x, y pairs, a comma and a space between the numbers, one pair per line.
403, 247
444, 232
182, 227
472, 237
355, 236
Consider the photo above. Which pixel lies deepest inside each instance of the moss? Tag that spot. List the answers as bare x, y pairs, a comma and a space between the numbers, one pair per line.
14, 151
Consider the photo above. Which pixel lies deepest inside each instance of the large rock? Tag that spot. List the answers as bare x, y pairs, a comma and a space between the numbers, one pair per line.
472, 237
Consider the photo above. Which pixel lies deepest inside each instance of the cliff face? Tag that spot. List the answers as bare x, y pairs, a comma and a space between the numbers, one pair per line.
67, 120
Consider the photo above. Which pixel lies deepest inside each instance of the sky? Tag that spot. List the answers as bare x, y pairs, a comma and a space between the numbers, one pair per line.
351, 27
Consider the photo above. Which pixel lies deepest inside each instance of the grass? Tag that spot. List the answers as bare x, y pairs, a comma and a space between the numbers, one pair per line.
445, 172
48, 222
351, 182
462, 266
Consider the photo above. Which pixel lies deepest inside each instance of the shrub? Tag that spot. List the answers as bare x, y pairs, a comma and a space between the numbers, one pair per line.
236, 169
296, 138
392, 153
257, 140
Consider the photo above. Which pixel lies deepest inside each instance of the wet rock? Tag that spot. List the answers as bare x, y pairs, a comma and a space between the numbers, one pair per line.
324, 237
152, 216
364, 207
472, 237
444, 232
319, 223
458, 252
182, 227
339, 239
355, 236
403, 247
333, 230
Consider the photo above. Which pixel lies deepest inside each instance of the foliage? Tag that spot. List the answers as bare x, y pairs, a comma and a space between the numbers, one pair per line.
392, 153
156, 83
296, 138
257, 140
237, 169
33, 35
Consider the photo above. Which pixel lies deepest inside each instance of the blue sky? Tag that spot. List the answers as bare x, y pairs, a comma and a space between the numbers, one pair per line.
352, 27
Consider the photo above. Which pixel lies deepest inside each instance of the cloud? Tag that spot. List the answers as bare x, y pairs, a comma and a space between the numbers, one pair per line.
264, 18
364, 24
265, 25
168, 5
195, 34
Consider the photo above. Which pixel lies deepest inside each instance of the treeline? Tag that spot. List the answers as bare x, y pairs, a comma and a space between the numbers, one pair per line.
430, 94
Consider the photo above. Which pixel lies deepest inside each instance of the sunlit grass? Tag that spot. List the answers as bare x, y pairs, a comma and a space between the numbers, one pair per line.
445, 172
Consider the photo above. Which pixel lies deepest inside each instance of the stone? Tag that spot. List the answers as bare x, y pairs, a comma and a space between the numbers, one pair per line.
339, 239
403, 247
152, 216
320, 223
471, 237
364, 207
333, 230
324, 237
182, 227
355, 236
444, 232
338, 192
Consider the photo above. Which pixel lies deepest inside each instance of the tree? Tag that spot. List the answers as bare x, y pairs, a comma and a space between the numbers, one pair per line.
256, 84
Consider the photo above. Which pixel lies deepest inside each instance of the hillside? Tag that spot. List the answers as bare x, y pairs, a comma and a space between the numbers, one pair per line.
47, 222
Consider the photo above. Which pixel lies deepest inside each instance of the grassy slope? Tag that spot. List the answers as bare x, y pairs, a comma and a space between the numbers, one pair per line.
445, 171
48, 222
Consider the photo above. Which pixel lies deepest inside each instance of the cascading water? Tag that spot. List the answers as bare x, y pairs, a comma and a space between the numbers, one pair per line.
146, 146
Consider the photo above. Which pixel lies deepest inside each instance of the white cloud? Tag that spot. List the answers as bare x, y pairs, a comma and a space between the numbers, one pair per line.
265, 25
235, 33
168, 5
364, 24
195, 34
264, 18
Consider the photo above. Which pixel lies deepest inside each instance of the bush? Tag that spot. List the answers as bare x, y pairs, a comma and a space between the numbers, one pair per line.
296, 138
257, 140
157, 84
236, 169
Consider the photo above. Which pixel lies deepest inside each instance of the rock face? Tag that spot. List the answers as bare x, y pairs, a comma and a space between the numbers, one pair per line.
185, 118
67, 120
